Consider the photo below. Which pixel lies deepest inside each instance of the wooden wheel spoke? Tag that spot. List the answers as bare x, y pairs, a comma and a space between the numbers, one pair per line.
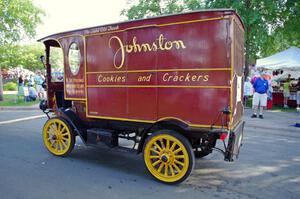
157, 146
178, 162
64, 134
176, 168
162, 143
156, 163
52, 128
160, 167
173, 146
179, 156
59, 127
166, 169
154, 157
168, 144
63, 130
65, 145
172, 170
177, 150
60, 145
52, 143
56, 126
154, 151
65, 139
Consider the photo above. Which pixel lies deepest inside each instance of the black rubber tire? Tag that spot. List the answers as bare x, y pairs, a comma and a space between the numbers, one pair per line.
187, 146
72, 136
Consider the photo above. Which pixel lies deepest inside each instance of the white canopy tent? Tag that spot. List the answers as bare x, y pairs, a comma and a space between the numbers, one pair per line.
287, 60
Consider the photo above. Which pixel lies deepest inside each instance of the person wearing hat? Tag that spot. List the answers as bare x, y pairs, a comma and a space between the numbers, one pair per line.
260, 97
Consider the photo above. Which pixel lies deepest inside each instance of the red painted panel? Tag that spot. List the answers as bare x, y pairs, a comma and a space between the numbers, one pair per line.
108, 102
74, 85
174, 66
196, 106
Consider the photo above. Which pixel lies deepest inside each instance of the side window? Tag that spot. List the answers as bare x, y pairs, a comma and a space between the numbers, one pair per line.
74, 58
57, 64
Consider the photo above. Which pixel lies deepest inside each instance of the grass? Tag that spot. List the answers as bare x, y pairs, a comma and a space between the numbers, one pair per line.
15, 100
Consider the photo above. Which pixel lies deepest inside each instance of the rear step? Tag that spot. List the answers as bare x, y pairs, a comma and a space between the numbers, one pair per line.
97, 136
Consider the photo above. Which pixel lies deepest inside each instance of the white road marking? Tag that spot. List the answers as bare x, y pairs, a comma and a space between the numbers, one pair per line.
22, 119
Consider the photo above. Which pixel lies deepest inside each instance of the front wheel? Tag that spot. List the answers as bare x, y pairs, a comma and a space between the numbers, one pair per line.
58, 136
168, 156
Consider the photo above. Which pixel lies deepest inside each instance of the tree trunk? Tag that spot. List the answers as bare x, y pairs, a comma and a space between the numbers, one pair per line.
1, 86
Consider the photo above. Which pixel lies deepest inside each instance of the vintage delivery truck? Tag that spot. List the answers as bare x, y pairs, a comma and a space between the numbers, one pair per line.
172, 85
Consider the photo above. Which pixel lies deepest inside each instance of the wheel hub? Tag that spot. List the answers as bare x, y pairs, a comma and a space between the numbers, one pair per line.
164, 158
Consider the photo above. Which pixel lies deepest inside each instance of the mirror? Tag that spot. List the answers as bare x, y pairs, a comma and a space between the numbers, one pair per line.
42, 58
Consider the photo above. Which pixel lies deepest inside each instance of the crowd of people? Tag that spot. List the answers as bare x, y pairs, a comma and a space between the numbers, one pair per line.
31, 86
261, 89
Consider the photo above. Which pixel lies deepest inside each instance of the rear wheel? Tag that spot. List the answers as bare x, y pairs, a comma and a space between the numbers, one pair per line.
169, 156
58, 137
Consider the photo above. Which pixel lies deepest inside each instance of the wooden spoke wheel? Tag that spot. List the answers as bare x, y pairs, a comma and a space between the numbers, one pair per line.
58, 137
169, 156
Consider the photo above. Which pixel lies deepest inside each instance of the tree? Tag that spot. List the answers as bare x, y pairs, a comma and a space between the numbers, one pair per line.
18, 18
26, 56
269, 25
151, 8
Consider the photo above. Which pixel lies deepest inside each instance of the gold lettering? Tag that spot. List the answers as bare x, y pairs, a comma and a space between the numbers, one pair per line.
199, 77
160, 43
168, 45
165, 77
120, 49
179, 44
206, 78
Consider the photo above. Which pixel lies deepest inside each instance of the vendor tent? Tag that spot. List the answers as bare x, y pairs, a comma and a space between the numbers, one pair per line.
288, 59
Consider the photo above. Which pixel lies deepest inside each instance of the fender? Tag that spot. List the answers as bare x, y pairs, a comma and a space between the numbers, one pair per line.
170, 123
75, 122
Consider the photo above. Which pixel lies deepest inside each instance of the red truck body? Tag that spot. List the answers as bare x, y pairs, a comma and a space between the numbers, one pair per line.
186, 68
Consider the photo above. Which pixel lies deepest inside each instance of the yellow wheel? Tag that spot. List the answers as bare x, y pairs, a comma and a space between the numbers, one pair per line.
169, 156
58, 137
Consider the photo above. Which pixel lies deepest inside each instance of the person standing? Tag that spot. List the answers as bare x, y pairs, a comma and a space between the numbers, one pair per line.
298, 94
286, 91
39, 79
260, 87
247, 90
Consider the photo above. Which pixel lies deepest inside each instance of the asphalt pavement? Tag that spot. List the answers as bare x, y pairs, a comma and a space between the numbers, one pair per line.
268, 166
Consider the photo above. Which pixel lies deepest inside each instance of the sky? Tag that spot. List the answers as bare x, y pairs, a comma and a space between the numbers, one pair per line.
64, 15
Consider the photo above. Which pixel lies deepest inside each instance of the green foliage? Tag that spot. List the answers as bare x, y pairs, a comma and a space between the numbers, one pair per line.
270, 26
151, 8
26, 56
10, 86
18, 18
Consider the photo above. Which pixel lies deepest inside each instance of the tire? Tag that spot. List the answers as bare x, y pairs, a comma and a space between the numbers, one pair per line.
168, 156
58, 136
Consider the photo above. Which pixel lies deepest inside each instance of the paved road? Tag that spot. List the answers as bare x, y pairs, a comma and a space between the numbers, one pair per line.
6, 115
268, 167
